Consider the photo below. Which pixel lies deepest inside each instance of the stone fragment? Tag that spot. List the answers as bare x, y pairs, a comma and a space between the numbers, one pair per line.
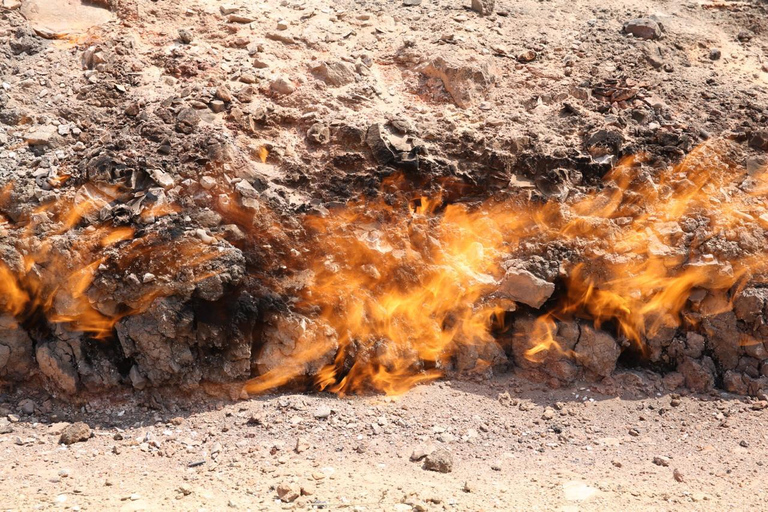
597, 351
42, 136
464, 82
484, 7
319, 133
522, 286
759, 140
699, 376
57, 362
282, 86
185, 36
288, 492
643, 28
335, 73
439, 460
75, 433
322, 412
187, 120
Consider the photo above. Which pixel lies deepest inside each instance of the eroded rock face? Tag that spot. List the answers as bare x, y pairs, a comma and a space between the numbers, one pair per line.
465, 82
699, 375
16, 352
57, 362
295, 340
597, 351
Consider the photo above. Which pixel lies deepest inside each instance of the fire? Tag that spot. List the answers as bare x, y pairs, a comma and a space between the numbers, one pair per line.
406, 289
399, 290
64, 248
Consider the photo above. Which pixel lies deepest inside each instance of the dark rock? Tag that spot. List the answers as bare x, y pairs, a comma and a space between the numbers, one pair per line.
699, 376
187, 120
759, 140
319, 133
439, 460
715, 54
724, 339
76, 433
750, 304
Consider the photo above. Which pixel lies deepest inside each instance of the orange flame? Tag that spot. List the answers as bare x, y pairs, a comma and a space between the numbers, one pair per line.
407, 292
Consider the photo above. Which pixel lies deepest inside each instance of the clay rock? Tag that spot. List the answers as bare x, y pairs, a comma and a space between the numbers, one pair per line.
750, 305
288, 492
464, 82
597, 351
187, 120
75, 433
643, 28
484, 7
159, 340
288, 335
16, 349
699, 376
469, 354
335, 74
57, 362
389, 148
522, 286
724, 339
439, 460
759, 140
43, 136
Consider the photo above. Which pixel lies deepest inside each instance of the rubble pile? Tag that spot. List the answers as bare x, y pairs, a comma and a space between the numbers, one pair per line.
330, 196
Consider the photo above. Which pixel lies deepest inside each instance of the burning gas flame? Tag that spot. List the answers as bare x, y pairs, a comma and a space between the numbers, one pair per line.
62, 255
408, 290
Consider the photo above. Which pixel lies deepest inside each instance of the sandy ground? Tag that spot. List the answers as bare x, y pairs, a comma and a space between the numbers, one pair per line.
514, 446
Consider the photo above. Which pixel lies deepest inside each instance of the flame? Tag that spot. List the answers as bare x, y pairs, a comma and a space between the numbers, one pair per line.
408, 287
65, 248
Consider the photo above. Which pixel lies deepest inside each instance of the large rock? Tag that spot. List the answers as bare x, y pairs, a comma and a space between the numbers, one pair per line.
57, 362
464, 82
643, 28
16, 349
439, 460
75, 433
42, 136
484, 7
335, 74
699, 375
724, 339
597, 351
522, 286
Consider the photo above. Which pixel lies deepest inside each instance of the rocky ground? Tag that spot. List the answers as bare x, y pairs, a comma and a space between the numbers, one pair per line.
197, 193
502, 444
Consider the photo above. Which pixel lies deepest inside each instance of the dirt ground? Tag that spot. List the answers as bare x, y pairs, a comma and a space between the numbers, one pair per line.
622, 445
